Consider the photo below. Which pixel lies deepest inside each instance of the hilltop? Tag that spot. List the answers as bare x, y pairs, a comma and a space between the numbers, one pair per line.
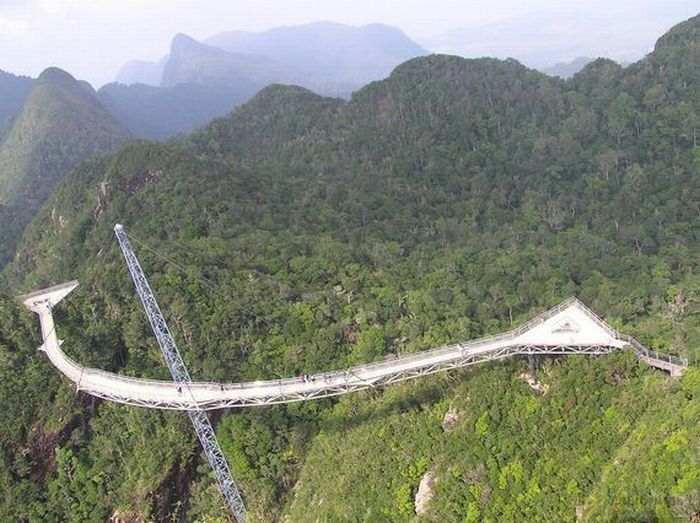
60, 115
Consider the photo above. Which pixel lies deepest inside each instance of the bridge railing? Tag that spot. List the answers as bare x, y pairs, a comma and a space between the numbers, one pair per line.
85, 374
643, 352
403, 360
66, 365
639, 349
475, 344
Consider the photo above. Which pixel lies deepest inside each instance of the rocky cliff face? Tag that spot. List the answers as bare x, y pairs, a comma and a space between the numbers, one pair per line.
425, 493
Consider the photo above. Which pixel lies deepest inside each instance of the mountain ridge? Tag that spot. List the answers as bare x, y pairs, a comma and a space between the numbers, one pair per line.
191, 61
206, 81
203, 89
53, 86
322, 49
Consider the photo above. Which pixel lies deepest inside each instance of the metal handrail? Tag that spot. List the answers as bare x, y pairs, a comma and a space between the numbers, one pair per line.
72, 369
643, 352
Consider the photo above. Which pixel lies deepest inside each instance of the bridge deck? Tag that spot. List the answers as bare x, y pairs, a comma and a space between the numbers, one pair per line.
569, 328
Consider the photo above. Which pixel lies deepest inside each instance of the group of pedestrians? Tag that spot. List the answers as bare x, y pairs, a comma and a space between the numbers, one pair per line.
307, 378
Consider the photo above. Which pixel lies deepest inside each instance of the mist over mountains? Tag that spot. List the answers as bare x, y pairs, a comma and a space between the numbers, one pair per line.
340, 56
543, 39
204, 80
141, 72
50, 124
198, 81
334, 52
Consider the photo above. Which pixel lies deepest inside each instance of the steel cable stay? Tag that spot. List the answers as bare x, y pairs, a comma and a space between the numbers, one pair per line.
206, 282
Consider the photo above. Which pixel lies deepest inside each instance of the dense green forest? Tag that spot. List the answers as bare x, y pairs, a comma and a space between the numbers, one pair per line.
452, 200
60, 124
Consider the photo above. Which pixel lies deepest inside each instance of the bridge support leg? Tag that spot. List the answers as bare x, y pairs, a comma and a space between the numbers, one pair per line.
533, 361
676, 372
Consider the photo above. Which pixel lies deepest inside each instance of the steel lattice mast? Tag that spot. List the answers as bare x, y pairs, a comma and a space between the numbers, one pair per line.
202, 425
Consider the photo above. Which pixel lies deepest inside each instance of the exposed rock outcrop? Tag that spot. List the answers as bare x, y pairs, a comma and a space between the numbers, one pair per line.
425, 492
451, 419
535, 385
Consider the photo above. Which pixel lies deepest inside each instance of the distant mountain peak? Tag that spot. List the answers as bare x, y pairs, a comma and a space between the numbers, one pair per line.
330, 51
183, 41
56, 76
193, 62
183, 44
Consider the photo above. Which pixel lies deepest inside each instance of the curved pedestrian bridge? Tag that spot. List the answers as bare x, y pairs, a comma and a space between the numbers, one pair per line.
568, 328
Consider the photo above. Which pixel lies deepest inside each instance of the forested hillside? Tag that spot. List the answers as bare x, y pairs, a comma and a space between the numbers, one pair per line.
452, 200
15, 90
60, 124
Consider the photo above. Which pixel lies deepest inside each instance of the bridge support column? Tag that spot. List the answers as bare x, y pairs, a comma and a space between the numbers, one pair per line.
533, 361
677, 371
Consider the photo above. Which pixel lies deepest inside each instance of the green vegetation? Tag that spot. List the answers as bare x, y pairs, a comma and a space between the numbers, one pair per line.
60, 125
598, 441
15, 90
452, 200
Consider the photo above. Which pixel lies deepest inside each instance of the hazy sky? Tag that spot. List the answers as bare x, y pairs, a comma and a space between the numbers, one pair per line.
93, 38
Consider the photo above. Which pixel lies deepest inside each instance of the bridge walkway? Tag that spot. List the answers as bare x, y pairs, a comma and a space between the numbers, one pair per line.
568, 328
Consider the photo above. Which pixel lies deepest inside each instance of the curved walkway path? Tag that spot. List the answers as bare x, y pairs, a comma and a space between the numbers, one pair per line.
569, 328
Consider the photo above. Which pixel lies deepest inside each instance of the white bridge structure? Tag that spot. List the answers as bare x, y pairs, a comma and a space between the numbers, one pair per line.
568, 328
